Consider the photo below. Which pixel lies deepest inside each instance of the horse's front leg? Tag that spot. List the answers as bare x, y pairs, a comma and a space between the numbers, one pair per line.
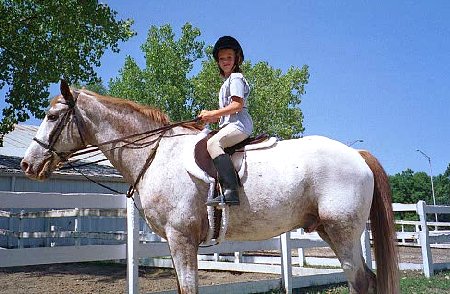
183, 248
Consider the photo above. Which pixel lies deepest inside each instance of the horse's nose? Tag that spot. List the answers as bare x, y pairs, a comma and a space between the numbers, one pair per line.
26, 167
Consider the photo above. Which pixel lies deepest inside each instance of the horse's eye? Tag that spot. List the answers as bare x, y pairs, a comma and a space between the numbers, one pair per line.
52, 117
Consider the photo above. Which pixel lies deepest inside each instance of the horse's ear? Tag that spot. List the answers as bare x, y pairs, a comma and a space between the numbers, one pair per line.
65, 91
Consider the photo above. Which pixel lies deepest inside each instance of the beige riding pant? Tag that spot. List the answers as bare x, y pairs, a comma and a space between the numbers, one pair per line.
226, 137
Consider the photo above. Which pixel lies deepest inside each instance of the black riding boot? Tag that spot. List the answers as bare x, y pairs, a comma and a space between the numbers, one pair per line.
228, 181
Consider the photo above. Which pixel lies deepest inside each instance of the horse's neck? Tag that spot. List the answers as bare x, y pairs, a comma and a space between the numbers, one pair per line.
106, 123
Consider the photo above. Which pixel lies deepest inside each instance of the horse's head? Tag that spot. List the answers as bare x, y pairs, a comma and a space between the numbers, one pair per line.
59, 135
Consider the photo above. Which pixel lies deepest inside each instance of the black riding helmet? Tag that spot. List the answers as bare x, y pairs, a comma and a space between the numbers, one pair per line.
228, 42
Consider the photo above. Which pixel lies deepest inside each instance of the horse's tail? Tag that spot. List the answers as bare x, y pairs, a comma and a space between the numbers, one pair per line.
383, 228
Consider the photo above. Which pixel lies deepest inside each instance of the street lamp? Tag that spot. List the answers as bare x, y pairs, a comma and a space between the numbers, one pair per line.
431, 178
356, 141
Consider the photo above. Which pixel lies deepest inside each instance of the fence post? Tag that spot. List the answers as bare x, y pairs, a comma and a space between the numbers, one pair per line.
132, 247
418, 231
77, 227
301, 251
365, 244
53, 242
286, 262
403, 239
237, 257
427, 258
9, 238
21, 229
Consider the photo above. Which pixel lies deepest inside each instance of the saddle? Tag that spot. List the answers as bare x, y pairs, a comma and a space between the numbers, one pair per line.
204, 160
200, 166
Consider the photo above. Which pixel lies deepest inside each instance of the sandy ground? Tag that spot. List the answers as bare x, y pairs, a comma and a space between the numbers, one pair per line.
111, 278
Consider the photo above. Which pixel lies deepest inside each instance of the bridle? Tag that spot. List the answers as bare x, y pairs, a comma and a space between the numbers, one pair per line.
73, 113
63, 120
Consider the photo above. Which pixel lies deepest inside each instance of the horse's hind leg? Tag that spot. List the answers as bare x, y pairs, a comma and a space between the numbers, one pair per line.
183, 249
346, 243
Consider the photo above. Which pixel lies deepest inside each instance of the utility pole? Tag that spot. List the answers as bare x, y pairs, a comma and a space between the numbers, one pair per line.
431, 178
356, 141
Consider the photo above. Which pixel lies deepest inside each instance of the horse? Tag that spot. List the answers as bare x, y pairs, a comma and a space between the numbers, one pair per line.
313, 182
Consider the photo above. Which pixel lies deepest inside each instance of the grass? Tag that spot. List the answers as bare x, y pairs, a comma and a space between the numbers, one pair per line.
411, 282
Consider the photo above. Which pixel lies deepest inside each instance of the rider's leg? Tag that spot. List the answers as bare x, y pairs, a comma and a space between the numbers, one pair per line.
226, 137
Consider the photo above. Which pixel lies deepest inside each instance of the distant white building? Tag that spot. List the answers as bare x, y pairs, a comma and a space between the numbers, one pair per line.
16, 142
12, 178
67, 181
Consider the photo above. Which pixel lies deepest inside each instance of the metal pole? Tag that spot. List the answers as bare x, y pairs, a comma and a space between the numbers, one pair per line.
356, 141
431, 178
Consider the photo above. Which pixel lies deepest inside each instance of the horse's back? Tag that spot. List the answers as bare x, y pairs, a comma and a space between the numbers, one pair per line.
340, 179
333, 168
297, 179
316, 157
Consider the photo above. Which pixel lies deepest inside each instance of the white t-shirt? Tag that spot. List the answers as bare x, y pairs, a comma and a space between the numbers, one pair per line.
236, 85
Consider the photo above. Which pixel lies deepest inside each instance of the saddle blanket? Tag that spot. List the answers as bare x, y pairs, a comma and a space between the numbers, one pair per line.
238, 157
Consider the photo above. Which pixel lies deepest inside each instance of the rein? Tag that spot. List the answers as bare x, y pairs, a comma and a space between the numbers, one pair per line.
66, 155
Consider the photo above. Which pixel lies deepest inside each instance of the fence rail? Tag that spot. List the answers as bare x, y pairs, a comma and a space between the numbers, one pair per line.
75, 212
106, 205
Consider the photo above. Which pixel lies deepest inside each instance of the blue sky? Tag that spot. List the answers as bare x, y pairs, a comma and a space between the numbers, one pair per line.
380, 70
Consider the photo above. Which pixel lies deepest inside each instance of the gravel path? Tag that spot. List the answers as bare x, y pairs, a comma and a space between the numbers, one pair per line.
111, 278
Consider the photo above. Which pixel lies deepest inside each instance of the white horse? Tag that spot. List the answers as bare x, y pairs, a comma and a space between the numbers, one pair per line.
313, 183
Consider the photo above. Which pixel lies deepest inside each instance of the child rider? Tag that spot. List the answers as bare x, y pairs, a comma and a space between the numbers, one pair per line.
235, 123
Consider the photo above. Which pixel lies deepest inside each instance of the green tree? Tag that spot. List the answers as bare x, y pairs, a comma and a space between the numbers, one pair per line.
275, 99
42, 41
442, 187
130, 84
165, 82
96, 87
206, 85
410, 187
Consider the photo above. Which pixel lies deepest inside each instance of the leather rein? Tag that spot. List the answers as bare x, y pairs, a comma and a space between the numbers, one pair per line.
72, 112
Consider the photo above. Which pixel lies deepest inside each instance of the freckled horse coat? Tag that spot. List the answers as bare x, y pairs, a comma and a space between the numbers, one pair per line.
314, 182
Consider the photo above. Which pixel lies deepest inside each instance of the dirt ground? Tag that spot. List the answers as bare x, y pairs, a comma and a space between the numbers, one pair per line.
111, 278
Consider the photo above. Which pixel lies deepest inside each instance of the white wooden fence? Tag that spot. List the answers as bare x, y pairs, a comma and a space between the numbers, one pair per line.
134, 250
423, 236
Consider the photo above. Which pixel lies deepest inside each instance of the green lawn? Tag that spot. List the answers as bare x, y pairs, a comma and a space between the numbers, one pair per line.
411, 282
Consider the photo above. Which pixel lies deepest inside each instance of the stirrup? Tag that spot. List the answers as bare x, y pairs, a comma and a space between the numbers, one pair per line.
216, 201
223, 200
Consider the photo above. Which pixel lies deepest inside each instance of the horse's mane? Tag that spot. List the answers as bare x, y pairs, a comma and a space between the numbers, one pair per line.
148, 111
152, 113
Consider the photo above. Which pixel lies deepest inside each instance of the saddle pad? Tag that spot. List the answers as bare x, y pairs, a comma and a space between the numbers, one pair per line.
204, 161
198, 162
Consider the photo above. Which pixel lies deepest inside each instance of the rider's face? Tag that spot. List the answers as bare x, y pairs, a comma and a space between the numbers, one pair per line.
227, 59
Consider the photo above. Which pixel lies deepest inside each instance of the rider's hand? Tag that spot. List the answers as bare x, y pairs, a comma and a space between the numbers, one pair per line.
208, 116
